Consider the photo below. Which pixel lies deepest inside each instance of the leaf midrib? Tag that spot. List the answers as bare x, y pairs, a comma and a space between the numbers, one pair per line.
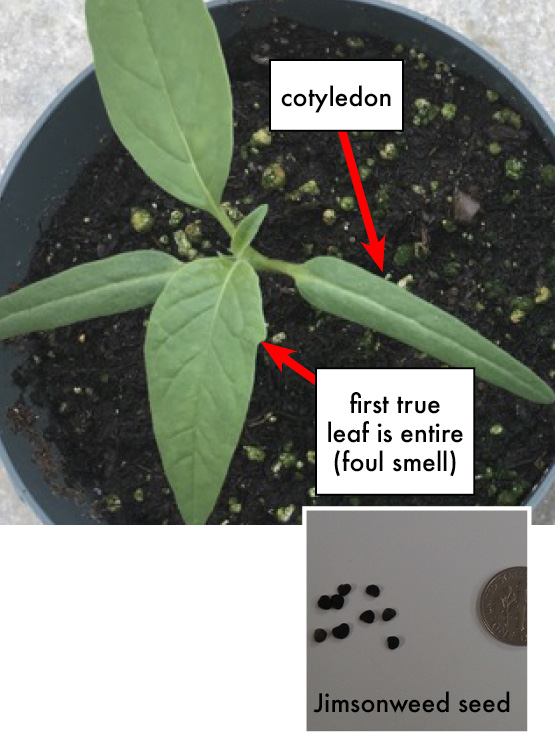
209, 346
90, 293
451, 342
213, 207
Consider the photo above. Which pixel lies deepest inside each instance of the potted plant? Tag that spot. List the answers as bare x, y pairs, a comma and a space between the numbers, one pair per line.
164, 84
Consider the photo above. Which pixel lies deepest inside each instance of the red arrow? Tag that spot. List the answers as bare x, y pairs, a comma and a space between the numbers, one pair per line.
375, 248
280, 355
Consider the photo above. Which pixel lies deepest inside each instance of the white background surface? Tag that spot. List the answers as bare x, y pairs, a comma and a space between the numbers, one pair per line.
452, 389
431, 567
147, 632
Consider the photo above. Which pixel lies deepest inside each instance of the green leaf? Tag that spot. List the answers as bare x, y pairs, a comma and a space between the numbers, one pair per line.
164, 82
247, 230
112, 285
350, 292
200, 355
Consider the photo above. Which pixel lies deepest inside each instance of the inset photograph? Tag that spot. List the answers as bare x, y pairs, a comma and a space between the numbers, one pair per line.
417, 620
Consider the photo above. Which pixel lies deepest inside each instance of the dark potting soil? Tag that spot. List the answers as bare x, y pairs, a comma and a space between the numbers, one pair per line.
87, 382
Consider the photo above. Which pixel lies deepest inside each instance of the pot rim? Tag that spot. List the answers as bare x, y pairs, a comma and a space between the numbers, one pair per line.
543, 119
12, 473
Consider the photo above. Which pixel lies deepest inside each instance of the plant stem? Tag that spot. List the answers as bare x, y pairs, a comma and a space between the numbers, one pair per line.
262, 263
225, 221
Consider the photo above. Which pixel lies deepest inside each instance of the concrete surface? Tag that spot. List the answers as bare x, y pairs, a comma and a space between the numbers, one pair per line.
43, 45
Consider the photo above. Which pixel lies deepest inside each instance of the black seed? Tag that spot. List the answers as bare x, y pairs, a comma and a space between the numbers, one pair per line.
344, 589
337, 601
320, 635
324, 602
367, 617
341, 631
388, 614
373, 590
392, 642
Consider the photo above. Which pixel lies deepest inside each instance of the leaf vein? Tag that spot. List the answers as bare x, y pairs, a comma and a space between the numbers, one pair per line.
212, 206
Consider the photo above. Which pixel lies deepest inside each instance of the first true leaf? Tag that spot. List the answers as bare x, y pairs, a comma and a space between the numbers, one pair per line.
165, 86
200, 352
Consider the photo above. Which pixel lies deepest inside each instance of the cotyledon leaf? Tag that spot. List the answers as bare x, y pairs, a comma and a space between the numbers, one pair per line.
350, 292
164, 82
102, 288
200, 353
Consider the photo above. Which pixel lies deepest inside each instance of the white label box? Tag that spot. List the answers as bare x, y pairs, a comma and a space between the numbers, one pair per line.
394, 432
341, 95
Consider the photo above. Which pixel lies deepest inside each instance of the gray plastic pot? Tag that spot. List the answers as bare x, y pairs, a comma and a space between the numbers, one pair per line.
70, 132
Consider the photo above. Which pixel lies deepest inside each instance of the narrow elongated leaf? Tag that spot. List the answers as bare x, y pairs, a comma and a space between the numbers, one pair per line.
200, 354
165, 86
350, 292
247, 229
102, 288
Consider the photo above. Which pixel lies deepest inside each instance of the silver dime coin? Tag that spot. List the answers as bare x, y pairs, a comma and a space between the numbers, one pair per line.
503, 606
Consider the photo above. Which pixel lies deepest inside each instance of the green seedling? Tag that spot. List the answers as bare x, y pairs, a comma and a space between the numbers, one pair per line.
426, 112
508, 117
165, 86
514, 168
547, 175
274, 177
141, 220
262, 137
449, 111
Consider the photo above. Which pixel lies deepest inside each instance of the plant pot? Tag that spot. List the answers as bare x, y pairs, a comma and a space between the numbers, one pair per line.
71, 130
